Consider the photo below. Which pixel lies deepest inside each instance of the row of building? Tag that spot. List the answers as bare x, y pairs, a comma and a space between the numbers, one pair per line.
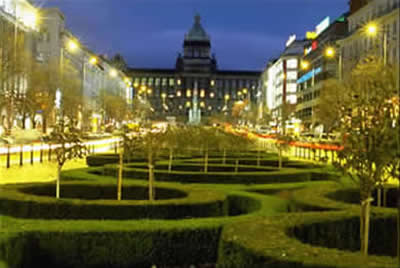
47, 39
297, 76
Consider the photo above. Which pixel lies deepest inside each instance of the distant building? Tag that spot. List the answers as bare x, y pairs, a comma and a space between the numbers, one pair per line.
316, 69
170, 91
279, 79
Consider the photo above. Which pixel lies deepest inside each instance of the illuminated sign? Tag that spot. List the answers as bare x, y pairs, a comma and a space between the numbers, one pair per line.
319, 29
311, 35
323, 25
309, 75
314, 45
292, 38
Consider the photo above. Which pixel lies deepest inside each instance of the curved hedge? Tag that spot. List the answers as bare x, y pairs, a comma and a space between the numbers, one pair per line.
140, 172
271, 243
198, 203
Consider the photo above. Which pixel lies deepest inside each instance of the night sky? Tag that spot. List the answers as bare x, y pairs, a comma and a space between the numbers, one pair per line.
149, 33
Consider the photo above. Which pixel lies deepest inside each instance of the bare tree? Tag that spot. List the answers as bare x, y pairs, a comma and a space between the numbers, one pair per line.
69, 146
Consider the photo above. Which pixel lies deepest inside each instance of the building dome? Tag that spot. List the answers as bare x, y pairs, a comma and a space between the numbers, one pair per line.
197, 32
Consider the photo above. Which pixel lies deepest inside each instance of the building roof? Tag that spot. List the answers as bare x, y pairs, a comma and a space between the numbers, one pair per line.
197, 32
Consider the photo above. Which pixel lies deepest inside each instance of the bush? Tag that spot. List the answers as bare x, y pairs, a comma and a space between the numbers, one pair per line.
133, 248
199, 203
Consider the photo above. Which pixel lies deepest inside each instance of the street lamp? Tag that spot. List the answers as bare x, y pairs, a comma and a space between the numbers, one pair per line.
93, 60
330, 52
372, 30
304, 65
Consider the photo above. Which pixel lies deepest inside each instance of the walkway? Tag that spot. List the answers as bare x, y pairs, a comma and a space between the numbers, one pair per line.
45, 172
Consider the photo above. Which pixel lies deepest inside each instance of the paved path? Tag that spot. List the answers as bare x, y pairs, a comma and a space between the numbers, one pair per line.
45, 172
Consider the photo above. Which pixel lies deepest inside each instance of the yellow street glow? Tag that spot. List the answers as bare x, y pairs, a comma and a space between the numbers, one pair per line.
113, 73
93, 60
72, 45
305, 65
372, 29
330, 52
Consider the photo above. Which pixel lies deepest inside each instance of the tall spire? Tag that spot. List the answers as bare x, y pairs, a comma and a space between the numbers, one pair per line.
197, 32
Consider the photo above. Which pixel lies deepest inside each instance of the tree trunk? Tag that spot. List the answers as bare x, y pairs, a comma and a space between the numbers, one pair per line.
170, 161
206, 161
58, 181
151, 177
379, 196
398, 224
280, 157
237, 166
224, 157
364, 224
44, 125
120, 172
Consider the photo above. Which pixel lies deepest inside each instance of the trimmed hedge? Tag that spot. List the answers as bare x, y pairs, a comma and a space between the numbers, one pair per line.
198, 203
265, 243
257, 177
136, 248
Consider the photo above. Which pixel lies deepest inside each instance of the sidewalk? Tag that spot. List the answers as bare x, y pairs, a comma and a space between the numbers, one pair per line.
45, 172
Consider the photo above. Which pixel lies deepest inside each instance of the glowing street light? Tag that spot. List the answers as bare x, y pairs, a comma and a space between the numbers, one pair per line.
305, 65
72, 45
93, 60
330, 52
113, 73
372, 29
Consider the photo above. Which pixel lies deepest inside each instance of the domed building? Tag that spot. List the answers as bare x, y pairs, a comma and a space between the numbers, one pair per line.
196, 81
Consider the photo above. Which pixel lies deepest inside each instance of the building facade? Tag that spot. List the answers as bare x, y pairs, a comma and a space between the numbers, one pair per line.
358, 44
279, 80
18, 31
317, 68
170, 91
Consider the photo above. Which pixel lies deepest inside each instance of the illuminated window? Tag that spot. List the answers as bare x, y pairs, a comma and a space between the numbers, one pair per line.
178, 93
292, 64
157, 81
188, 104
143, 81
164, 81
179, 82
292, 75
150, 81
209, 108
202, 93
202, 104
212, 95
188, 93
171, 82
212, 83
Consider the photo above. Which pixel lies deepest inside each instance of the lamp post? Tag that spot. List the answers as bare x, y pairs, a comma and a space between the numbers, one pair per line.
330, 53
373, 30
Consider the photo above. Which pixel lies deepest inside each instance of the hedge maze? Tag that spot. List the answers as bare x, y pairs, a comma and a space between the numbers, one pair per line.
237, 214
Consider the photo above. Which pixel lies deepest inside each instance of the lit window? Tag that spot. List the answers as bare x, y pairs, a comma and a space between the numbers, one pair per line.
188, 104
178, 93
188, 93
212, 83
202, 104
179, 82
202, 93
171, 82
157, 81
164, 81
209, 108
212, 95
